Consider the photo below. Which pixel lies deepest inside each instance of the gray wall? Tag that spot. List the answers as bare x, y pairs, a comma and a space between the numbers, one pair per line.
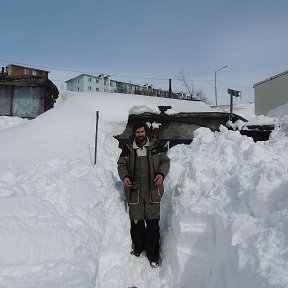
271, 94
5, 100
22, 101
28, 101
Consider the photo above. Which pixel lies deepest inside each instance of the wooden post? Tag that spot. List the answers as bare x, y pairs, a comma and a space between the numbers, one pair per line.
96, 136
231, 106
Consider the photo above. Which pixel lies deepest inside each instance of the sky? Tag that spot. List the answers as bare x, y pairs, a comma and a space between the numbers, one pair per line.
150, 41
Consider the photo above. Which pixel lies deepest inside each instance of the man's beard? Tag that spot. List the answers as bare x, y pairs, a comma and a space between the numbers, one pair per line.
140, 140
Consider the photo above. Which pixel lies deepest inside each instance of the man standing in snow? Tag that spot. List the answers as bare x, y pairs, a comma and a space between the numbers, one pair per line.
142, 166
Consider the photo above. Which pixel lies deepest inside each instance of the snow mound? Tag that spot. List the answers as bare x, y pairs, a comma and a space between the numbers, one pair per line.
34, 231
279, 112
224, 215
7, 121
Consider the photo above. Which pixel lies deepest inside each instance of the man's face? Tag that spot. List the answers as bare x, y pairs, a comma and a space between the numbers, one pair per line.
140, 134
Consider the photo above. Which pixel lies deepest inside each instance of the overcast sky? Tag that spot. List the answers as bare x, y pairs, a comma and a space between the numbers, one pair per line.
150, 41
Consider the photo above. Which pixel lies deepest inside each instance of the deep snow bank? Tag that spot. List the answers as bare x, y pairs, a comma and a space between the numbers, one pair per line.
6, 121
244, 184
70, 126
224, 214
279, 112
60, 214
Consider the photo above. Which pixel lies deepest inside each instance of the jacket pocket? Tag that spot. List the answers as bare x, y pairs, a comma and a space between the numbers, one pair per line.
156, 194
133, 196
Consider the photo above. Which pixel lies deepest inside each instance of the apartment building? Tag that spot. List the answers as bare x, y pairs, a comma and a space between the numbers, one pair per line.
102, 83
90, 83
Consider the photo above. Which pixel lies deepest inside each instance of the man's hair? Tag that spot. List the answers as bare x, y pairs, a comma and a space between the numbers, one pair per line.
138, 125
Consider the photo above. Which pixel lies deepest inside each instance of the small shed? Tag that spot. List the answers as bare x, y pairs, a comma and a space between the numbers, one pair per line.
173, 129
177, 128
26, 96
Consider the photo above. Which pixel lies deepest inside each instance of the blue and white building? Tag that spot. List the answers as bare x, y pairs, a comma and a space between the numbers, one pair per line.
102, 83
90, 83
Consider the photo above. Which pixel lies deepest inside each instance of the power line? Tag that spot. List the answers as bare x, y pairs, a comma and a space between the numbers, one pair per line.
98, 73
82, 72
120, 76
46, 67
194, 80
236, 84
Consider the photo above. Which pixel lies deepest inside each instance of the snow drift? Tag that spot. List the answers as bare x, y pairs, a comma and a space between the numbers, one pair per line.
64, 224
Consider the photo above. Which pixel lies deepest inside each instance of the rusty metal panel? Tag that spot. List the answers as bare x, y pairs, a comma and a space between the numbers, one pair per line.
28, 101
5, 100
176, 128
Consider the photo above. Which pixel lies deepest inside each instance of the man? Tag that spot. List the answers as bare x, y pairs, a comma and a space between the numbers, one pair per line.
142, 166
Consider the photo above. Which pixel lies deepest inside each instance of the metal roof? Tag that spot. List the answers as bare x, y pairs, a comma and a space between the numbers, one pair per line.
26, 67
271, 78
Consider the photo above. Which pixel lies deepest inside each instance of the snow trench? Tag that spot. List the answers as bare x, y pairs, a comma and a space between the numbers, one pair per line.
197, 250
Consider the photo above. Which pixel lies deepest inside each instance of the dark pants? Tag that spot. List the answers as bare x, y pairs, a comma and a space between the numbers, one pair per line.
146, 237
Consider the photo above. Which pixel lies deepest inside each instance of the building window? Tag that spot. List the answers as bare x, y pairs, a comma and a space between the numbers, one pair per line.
97, 89
78, 89
78, 80
89, 88
34, 72
97, 80
105, 82
89, 79
26, 71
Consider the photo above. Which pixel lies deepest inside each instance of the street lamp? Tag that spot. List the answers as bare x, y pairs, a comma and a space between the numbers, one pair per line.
216, 81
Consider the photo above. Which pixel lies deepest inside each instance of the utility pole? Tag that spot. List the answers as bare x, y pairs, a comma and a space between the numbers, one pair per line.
170, 89
215, 81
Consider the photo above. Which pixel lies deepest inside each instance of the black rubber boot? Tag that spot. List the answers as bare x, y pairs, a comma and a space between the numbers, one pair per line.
152, 241
138, 236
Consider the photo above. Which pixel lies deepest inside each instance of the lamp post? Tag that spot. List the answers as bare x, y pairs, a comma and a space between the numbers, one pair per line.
215, 81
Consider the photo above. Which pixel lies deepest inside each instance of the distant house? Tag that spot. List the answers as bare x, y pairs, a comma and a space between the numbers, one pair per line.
17, 70
25, 95
102, 83
271, 93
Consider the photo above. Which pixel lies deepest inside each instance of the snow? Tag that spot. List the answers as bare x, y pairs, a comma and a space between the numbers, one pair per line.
279, 112
6, 121
245, 110
224, 216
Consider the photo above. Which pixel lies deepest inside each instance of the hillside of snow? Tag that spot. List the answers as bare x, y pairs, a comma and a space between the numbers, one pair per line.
63, 221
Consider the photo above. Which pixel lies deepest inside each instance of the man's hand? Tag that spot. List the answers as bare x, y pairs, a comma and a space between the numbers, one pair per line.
158, 179
127, 182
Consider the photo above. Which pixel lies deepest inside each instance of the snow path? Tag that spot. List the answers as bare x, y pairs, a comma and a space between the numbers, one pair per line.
115, 261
